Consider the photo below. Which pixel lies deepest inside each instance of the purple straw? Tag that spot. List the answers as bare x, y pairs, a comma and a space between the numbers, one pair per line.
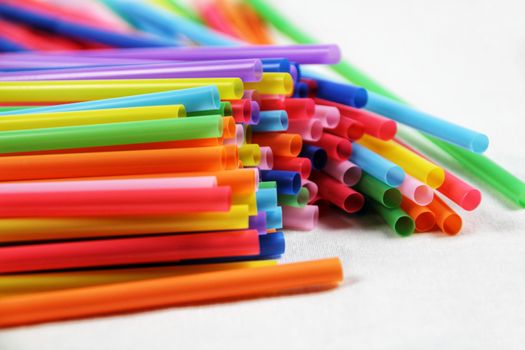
258, 222
249, 70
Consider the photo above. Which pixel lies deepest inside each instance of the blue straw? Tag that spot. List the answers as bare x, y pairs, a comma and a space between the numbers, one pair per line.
446, 131
266, 198
377, 166
271, 121
198, 99
7, 45
276, 65
288, 182
317, 156
274, 218
346, 94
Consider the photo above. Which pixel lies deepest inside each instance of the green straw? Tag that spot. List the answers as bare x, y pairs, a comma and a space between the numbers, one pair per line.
298, 201
7, 109
267, 184
482, 167
183, 10
399, 221
225, 109
160, 130
388, 196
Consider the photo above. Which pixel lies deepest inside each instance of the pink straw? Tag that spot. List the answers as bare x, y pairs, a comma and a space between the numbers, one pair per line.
303, 219
312, 189
329, 116
416, 191
309, 129
345, 172
239, 136
266, 158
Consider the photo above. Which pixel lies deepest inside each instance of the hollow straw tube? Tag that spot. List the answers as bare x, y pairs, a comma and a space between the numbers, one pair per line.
396, 218
272, 121
374, 124
342, 93
258, 222
256, 113
448, 221
389, 197
317, 156
276, 65
113, 163
310, 129
102, 116
86, 90
377, 166
266, 158
274, 218
336, 147
252, 95
241, 110
272, 103
344, 171
329, 116
337, 193
238, 138
300, 90
413, 164
240, 180
303, 166
133, 296
288, 182
298, 201
299, 108
266, 198
312, 189
348, 128
424, 218
272, 84
109, 134
250, 154
44, 229
195, 99
442, 129
249, 70
416, 191
123, 251
303, 219
283, 145
79, 203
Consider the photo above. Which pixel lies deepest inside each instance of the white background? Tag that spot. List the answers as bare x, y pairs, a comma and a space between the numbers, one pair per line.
462, 60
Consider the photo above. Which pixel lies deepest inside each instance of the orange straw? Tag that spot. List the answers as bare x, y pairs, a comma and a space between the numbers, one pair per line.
283, 145
257, 26
424, 218
447, 219
170, 291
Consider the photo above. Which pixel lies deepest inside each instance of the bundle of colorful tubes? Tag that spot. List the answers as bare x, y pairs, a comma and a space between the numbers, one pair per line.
136, 173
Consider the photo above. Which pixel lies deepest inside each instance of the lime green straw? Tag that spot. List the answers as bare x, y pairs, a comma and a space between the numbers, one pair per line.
267, 184
388, 196
399, 221
159, 130
485, 169
298, 201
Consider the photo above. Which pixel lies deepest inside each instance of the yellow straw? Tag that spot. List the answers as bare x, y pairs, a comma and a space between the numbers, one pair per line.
250, 155
272, 84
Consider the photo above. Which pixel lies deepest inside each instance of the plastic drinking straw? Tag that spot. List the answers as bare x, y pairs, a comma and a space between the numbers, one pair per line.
416, 191
374, 124
417, 166
240, 180
276, 65
297, 108
389, 197
113, 163
303, 54
106, 185
242, 29
41, 282
225, 109
302, 219
267, 184
424, 218
274, 218
346, 94
311, 86
252, 95
266, 199
247, 70
8, 45
25, 38
301, 90
330, 117
256, 113
238, 138
215, 19
266, 158
241, 110
288, 182
103, 116
169, 291
250, 154
44, 229
317, 156
272, 84
229, 128
303, 166
195, 99
309, 129
272, 121
377, 166
444, 130
258, 222
348, 128
312, 189
84, 90
448, 221
344, 171
79, 203
298, 201
109, 134
283, 145
123, 251
257, 25
78, 31
336, 147
337, 193
396, 218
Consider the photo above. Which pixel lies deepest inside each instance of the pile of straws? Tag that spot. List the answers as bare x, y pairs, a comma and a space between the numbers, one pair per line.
137, 173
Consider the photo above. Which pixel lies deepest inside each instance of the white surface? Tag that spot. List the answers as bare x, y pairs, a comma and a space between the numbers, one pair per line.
463, 60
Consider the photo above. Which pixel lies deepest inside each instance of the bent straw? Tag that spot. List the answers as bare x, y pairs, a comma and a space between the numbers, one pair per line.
389, 197
302, 219
482, 167
203, 98
162, 292
271, 84
102, 116
125, 251
424, 218
45, 229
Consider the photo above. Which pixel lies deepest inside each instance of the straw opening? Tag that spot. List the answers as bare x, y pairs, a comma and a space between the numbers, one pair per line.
394, 176
452, 224
288, 84
387, 130
392, 198
479, 143
283, 120
435, 177
296, 142
306, 168
425, 221
353, 202
352, 176
344, 149
404, 226
303, 197
423, 195
360, 98
471, 200
296, 183
316, 130
319, 159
